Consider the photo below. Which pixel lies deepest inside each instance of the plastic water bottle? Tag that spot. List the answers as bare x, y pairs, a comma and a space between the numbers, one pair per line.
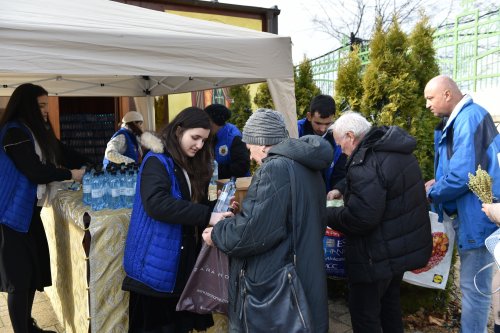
136, 171
212, 187
215, 174
97, 191
228, 191
123, 188
105, 185
114, 187
87, 186
129, 190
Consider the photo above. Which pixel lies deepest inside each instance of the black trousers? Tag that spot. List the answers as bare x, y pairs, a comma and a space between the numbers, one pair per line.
375, 307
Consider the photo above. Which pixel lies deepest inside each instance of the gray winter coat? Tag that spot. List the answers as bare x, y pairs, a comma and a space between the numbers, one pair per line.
261, 233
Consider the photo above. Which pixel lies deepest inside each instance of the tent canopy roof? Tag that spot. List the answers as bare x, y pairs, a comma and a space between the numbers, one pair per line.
106, 48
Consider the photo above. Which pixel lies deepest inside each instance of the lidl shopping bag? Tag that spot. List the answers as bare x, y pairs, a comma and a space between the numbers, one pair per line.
435, 273
206, 290
333, 246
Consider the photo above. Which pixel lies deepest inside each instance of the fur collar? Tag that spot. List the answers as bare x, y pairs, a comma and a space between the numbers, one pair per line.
150, 141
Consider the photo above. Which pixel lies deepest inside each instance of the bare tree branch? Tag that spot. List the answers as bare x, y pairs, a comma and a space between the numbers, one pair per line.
341, 18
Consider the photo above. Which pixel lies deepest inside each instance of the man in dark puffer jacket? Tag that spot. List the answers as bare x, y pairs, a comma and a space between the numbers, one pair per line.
385, 219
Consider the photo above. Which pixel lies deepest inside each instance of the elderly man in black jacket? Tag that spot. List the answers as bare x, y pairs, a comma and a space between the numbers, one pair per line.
384, 218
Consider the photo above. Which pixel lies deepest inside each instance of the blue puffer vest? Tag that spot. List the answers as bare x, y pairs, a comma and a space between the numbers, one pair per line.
152, 248
132, 150
18, 194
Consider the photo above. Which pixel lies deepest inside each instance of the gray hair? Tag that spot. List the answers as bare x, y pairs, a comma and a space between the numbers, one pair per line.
351, 121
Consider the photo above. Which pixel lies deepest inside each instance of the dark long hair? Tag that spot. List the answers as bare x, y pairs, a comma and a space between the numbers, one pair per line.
198, 167
23, 106
136, 129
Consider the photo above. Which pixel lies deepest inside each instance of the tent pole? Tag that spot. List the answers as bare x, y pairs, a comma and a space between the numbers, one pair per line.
151, 112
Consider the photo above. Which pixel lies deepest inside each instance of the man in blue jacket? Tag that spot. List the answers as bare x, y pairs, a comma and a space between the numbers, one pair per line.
317, 122
465, 139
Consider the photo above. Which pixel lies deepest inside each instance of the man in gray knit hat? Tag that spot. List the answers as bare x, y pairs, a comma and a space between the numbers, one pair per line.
261, 234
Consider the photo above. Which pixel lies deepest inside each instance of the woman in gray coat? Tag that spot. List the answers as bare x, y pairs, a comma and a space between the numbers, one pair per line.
261, 234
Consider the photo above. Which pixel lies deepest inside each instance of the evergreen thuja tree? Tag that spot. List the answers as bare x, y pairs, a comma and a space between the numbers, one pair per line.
263, 97
374, 79
424, 67
390, 89
349, 84
305, 88
402, 92
241, 106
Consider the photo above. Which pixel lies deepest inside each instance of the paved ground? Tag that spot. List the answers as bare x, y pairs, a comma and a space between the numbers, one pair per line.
340, 320
46, 318
42, 312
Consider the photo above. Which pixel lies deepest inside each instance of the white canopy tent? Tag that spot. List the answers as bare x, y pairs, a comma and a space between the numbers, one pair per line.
105, 48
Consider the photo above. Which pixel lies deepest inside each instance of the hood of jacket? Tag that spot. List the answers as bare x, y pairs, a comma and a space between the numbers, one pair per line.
390, 139
311, 151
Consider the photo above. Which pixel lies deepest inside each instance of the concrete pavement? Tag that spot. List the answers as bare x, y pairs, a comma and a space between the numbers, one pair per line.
340, 321
42, 312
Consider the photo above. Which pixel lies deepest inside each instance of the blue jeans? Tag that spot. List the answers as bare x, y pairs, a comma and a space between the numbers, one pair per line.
475, 307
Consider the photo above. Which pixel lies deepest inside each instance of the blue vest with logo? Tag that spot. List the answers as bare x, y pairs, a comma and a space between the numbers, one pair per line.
225, 137
132, 150
152, 248
18, 195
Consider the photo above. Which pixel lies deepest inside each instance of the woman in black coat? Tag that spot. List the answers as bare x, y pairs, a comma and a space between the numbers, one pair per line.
32, 155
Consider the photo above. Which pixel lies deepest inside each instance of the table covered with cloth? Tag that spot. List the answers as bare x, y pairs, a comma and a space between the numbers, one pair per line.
87, 297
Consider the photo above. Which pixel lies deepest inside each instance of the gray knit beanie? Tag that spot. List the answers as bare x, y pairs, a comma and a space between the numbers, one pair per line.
265, 127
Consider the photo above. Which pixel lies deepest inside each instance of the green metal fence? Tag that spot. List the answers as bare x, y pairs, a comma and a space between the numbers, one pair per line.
325, 67
468, 50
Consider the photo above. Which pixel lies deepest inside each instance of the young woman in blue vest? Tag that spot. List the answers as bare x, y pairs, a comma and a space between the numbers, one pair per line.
231, 154
30, 157
169, 214
124, 146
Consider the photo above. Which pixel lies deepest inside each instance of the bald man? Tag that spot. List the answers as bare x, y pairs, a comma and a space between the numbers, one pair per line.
465, 138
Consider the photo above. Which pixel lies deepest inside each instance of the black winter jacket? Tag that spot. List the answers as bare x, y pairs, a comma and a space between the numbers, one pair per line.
261, 232
385, 217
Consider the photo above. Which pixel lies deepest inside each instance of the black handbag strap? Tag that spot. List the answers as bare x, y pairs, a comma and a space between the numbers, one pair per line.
293, 194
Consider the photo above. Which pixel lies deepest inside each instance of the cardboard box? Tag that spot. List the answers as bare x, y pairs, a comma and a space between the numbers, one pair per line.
242, 184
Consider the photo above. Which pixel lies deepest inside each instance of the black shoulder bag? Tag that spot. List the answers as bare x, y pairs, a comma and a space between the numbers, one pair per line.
278, 304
